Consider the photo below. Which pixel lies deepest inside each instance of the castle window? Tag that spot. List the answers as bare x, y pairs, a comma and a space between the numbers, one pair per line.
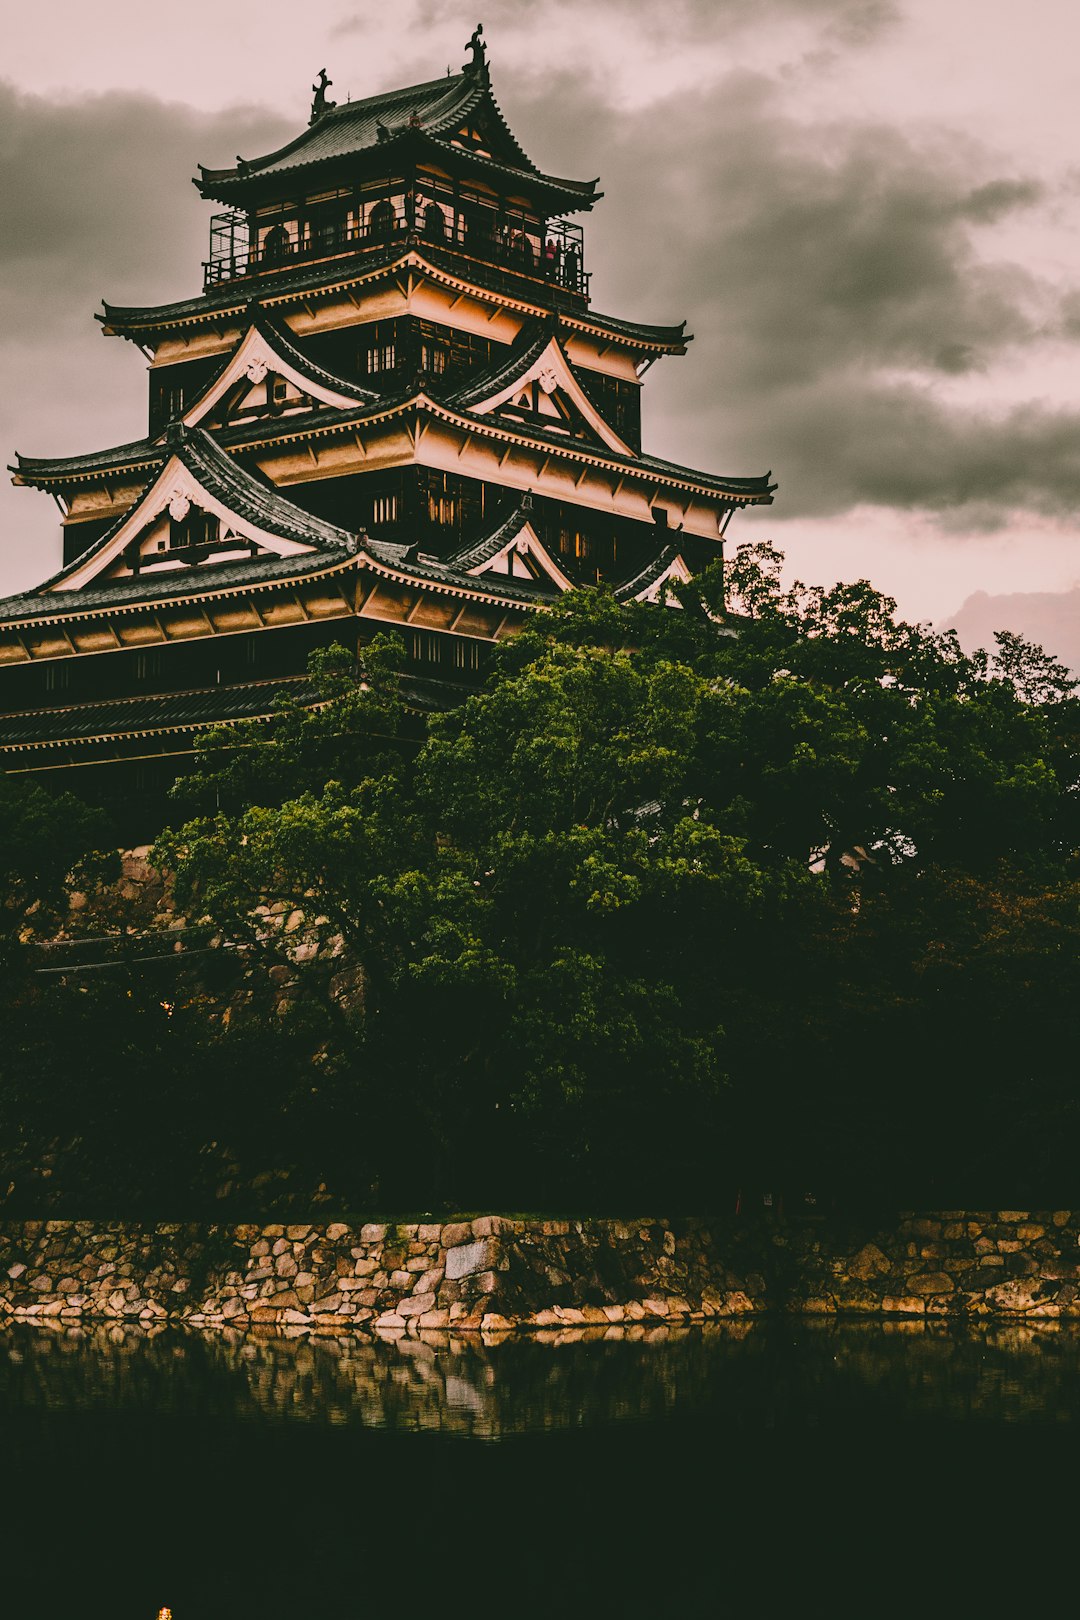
279, 390
384, 509
426, 648
381, 354
277, 244
381, 221
434, 358
148, 665
466, 655
442, 509
434, 222
57, 677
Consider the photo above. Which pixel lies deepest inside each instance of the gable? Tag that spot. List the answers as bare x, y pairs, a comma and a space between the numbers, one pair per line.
525, 557
676, 573
547, 394
259, 380
177, 523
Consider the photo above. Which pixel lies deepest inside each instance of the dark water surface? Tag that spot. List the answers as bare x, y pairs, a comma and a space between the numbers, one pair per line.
848, 1468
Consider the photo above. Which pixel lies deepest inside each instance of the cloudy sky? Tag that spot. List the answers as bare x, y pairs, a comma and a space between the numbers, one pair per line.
868, 211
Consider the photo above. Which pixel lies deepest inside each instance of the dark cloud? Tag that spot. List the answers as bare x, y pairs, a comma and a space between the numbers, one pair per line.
836, 276
98, 202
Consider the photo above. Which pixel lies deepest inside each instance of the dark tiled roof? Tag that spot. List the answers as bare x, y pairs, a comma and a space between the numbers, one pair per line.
280, 339
354, 127
482, 551
418, 565
247, 495
299, 280
151, 453
521, 354
424, 115
135, 716
166, 586
139, 453
648, 575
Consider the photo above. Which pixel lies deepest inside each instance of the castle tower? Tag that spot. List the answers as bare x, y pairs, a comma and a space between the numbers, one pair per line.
392, 407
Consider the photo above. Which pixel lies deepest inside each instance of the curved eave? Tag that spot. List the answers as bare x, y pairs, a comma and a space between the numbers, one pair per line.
87, 610
167, 728
401, 574
67, 472
734, 491
139, 322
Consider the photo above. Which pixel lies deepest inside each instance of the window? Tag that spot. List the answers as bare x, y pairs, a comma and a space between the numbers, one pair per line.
384, 509
572, 543
426, 648
148, 665
381, 357
466, 655
442, 509
381, 222
433, 358
57, 677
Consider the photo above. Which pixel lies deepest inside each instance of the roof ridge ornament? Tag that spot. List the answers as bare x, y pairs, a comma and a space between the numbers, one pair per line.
477, 66
321, 104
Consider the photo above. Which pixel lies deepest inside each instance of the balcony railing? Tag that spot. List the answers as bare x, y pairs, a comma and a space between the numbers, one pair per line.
514, 245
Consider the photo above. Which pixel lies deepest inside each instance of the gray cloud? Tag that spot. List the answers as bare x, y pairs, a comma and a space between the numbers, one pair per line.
98, 202
835, 275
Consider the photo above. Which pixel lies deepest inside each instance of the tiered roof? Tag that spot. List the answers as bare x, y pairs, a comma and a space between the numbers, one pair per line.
419, 119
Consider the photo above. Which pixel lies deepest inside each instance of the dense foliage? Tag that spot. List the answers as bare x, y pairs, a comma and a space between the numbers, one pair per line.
676, 905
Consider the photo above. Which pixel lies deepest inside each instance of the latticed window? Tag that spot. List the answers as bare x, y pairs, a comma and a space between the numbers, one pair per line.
426, 647
434, 358
466, 655
384, 509
442, 509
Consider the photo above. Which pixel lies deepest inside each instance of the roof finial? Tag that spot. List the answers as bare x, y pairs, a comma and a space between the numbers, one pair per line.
321, 105
478, 64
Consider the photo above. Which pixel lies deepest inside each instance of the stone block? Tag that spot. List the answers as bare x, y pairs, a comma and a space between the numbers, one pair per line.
429, 1234
931, 1282
415, 1305
467, 1258
372, 1233
869, 1262
491, 1225
336, 1231
457, 1232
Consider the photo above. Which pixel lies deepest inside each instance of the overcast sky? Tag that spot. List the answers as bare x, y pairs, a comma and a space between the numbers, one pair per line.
867, 210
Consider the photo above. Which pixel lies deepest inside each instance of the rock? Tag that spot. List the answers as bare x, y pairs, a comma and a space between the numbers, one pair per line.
467, 1258
372, 1233
336, 1231
456, 1233
415, 1305
870, 1262
931, 1282
903, 1305
494, 1323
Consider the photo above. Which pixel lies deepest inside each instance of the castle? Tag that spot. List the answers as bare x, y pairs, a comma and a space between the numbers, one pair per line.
391, 408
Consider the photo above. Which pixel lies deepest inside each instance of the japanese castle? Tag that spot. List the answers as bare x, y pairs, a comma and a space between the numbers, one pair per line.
392, 407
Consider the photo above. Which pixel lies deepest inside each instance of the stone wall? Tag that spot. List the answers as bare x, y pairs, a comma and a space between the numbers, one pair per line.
488, 1273
1007, 1262
492, 1273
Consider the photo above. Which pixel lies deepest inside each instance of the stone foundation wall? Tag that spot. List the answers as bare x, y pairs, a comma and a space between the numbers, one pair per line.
488, 1273
493, 1273
1015, 1263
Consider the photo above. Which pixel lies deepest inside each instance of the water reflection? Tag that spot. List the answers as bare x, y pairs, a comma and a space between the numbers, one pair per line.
777, 1374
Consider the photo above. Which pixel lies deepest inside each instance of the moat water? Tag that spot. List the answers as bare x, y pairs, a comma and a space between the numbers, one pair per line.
855, 1468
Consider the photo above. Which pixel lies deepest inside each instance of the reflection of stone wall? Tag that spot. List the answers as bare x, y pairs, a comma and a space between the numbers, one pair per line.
475, 1384
492, 1273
